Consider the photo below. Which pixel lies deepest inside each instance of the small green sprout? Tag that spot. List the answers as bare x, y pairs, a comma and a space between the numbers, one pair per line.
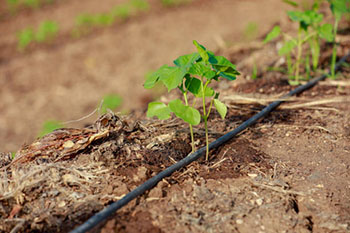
110, 101
121, 11
140, 5
251, 31
173, 3
25, 37
192, 74
50, 126
47, 31
84, 23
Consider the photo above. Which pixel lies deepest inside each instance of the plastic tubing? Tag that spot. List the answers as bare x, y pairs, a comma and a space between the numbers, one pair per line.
149, 184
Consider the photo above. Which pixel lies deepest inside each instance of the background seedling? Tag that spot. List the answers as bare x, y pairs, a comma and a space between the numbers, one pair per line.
47, 31
311, 30
110, 101
172, 3
251, 31
339, 8
25, 37
192, 74
85, 22
50, 126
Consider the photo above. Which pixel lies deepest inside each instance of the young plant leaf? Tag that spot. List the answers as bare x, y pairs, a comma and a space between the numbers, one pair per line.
227, 76
202, 51
111, 101
221, 108
193, 85
153, 78
225, 68
186, 61
159, 110
186, 113
292, 3
339, 7
287, 47
326, 32
199, 68
208, 92
170, 76
275, 32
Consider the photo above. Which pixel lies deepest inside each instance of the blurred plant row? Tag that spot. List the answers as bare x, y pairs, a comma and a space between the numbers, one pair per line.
85, 23
303, 50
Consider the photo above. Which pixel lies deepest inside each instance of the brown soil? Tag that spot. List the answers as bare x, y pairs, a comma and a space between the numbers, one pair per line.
287, 173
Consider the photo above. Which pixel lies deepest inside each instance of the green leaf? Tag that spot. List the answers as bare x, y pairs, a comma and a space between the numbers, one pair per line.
287, 47
186, 113
275, 32
225, 68
50, 126
326, 32
221, 108
221, 61
159, 110
208, 92
339, 7
202, 51
292, 3
193, 85
199, 68
170, 76
111, 101
296, 16
306, 18
186, 61
153, 78
228, 76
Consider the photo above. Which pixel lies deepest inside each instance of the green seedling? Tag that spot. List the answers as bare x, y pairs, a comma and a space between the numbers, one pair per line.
84, 23
32, 3
339, 8
310, 30
47, 31
25, 37
50, 126
13, 155
173, 3
192, 74
14, 5
122, 11
110, 101
254, 71
140, 5
251, 31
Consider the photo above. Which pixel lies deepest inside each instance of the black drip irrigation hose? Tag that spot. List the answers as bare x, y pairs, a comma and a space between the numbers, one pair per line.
106, 212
